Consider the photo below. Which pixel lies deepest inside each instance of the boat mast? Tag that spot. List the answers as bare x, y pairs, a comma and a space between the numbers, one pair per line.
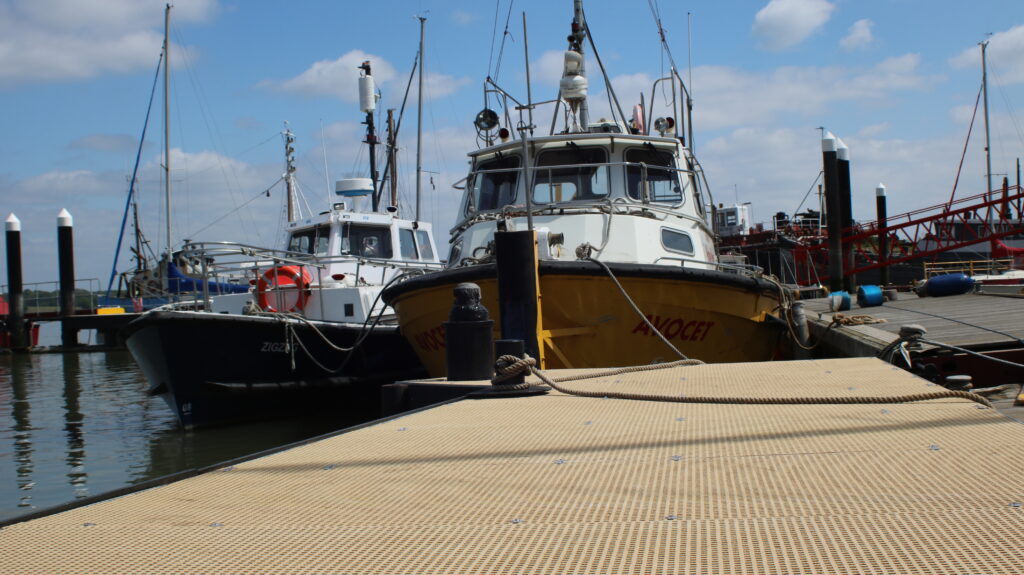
579, 31
368, 103
167, 126
289, 175
984, 91
419, 123
392, 158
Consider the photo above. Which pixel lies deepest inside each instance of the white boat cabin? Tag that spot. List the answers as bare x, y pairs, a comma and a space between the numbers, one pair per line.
632, 198
345, 258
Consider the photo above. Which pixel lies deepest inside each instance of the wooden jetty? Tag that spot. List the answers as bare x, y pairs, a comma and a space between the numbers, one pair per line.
567, 484
979, 322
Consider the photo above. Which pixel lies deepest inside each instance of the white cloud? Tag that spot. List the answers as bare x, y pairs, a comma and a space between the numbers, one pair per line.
734, 97
338, 78
440, 85
785, 23
859, 35
749, 159
873, 130
463, 18
50, 40
1003, 55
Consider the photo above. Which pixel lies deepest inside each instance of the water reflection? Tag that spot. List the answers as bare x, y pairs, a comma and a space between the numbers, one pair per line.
77, 425
73, 425
21, 413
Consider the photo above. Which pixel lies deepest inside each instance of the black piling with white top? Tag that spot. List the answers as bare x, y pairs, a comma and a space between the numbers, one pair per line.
66, 273
846, 204
16, 300
834, 212
883, 236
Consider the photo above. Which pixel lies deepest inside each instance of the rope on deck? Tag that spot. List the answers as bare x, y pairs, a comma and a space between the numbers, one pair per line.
509, 366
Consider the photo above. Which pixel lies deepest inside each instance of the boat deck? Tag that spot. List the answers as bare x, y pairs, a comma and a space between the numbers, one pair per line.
974, 320
567, 484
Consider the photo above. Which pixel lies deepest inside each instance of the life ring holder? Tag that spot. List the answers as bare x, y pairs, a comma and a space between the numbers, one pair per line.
270, 280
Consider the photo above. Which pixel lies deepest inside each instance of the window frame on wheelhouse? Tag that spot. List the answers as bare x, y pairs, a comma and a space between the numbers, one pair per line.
385, 249
586, 189
318, 236
634, 174
487, 172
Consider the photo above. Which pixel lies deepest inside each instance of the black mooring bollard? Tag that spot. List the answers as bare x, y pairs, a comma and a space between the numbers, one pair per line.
469, 341
513, 347
66, 273
16, 299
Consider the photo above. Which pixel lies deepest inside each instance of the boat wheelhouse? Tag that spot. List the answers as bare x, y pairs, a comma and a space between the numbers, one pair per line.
626, 265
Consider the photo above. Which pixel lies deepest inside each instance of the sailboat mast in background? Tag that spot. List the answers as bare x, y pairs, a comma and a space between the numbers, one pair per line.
167, 125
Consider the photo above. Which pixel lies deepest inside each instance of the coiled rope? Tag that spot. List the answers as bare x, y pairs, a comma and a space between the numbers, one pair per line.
510, 366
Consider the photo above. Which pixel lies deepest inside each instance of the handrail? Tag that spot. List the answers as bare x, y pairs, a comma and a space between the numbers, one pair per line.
969, 267
52, 297
749, 270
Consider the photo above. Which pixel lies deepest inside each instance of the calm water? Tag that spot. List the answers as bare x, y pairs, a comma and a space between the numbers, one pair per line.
77, 425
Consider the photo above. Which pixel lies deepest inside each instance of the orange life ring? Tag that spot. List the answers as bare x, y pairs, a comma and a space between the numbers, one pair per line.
271, 280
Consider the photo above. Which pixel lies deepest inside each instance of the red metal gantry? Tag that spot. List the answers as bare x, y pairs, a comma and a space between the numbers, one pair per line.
923, 233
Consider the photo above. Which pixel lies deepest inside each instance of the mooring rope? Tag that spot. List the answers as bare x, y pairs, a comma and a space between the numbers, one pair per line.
583, 253
862, 319
510, 366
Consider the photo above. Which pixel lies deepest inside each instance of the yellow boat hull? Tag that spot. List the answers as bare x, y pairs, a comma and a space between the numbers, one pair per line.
586, 321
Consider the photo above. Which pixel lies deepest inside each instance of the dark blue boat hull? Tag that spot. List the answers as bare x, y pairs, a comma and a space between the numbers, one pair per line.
221, 368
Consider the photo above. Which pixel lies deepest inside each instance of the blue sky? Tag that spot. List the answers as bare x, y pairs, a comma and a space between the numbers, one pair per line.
895, 79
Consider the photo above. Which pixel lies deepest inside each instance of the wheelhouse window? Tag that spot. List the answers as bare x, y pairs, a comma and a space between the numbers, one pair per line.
310, 241
367, 241
675, 241
656, 179
407, 244
423, 241
570, 174
494, 184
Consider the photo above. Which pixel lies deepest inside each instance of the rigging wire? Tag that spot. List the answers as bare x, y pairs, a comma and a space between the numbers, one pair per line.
227, 171
501, 48
263, 193
1009, 108
134, 179
963, 155
809, 190
494, 32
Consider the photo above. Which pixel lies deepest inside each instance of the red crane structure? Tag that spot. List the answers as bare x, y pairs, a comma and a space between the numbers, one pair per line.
923, 233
